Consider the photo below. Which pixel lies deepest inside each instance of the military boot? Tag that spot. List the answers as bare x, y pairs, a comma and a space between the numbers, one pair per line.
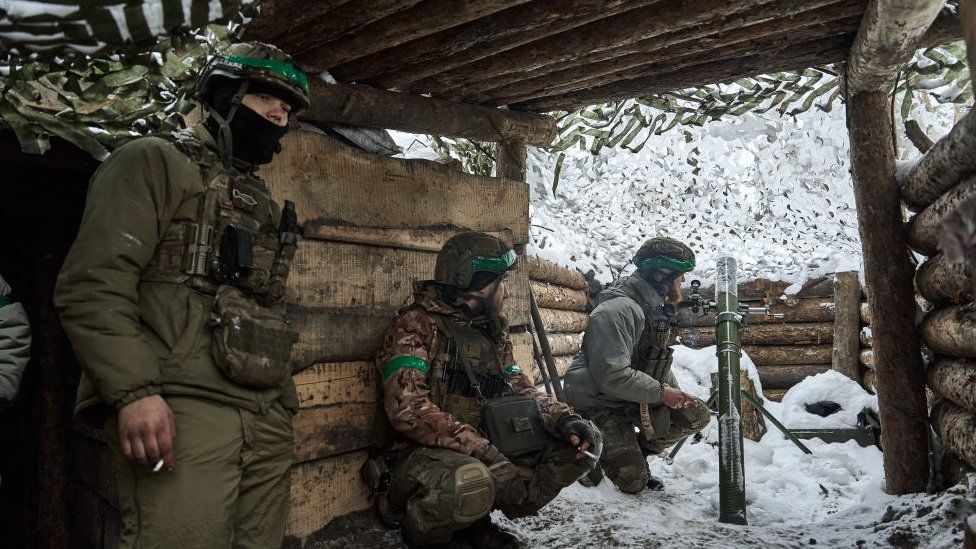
485, 534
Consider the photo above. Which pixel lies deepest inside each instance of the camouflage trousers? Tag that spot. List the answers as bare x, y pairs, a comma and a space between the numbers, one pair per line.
625, 451
443, 491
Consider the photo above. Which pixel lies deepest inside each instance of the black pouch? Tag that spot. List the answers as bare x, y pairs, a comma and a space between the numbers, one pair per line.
514, 425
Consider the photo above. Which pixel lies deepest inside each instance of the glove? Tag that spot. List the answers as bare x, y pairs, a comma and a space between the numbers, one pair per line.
585, 430
509, 488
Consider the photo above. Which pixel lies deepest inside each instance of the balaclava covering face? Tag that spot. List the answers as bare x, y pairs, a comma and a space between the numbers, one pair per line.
255, 139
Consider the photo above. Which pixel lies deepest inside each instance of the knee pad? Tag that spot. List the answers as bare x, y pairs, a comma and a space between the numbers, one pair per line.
474, 492
630, 480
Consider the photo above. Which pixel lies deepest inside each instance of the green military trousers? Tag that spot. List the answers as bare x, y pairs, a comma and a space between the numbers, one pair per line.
443, 491
230, 486
624, 459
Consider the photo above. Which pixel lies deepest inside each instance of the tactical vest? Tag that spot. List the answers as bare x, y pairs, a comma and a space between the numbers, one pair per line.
450, 388
239, 249
651, 355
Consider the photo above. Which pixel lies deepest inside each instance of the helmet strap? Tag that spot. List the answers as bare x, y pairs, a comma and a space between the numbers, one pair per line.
225, 139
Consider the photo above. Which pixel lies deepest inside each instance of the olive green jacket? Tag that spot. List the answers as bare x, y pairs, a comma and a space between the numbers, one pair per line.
135, 338
601, 374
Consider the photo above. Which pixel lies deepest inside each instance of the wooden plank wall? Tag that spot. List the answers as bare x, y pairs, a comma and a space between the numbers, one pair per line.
373, 226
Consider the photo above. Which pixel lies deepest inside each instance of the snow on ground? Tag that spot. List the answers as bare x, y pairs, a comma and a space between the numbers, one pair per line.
832, 498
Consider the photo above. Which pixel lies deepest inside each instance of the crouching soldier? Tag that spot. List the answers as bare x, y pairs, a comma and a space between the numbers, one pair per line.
622, 378
473, 433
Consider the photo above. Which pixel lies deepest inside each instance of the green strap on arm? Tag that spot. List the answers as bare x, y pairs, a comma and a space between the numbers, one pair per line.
512, 369
404, 361
4, 301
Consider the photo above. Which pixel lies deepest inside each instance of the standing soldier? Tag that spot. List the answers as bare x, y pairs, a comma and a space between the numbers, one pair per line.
171, 297
622, 378
449, 379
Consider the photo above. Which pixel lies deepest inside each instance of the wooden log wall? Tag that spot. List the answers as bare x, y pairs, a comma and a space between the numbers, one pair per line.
944, 178
563, 305
786, 350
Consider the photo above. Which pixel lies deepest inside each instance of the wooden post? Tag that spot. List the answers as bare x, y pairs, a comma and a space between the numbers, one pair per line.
847, 324
510, 163
898, 363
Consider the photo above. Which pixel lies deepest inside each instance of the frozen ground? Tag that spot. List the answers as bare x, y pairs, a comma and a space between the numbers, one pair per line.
832, 498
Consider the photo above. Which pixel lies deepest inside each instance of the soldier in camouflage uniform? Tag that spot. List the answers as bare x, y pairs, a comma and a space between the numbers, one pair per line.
446, 475
622, 378
171, 295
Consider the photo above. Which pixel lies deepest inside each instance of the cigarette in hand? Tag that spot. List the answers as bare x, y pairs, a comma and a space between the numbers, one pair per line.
158, 467
588, 454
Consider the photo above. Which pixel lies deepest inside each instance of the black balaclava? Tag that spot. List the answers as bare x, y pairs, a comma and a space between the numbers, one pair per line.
253, 138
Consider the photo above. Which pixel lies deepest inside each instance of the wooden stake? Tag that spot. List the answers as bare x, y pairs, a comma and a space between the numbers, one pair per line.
847, 323
511, 160
918, 138
901, 381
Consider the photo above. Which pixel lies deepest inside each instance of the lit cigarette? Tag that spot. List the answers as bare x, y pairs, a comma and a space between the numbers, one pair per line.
588, 454
158, 467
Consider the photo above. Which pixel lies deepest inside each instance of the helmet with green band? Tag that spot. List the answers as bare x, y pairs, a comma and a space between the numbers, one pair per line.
467, 253
664, 253
256, 62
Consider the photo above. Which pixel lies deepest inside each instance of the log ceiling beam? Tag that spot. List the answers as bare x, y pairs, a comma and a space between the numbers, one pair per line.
277, 16
344, 20
393, 68
602, 35
891, 31
800, 56
358, 105
738, 27
423, 19
764, 38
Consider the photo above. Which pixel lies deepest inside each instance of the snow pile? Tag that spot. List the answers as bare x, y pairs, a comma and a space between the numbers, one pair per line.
832, 498
830, 386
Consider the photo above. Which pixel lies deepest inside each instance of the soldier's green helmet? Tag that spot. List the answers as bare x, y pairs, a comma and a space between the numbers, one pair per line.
255, 62
466, 254
664, 253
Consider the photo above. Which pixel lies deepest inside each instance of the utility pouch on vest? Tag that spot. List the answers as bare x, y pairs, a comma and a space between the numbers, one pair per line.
514, 425
251, 343
656, 362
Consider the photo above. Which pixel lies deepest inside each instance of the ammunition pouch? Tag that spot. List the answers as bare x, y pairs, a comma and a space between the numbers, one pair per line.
656, 362
514, 425
251, 343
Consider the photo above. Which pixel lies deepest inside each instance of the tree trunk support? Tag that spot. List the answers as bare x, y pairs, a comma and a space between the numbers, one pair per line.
901, 380
847, 324
511, 160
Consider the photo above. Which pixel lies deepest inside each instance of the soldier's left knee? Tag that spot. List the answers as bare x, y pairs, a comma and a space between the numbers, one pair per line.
474, 492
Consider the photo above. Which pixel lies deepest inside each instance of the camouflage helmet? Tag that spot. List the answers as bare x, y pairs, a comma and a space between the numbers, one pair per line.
467, 253
664, 253
255, 62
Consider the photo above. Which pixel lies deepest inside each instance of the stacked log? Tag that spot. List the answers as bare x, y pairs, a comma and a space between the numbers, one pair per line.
869, 379
943, 179
563, 305
785, 350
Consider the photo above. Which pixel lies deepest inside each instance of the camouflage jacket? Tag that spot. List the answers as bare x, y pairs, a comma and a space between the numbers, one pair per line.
416, 395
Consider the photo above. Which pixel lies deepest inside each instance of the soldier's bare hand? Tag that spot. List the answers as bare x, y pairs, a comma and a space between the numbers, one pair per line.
146, 432
674, 398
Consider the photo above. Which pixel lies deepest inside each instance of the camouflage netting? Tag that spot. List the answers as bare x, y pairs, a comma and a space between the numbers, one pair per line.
97, 76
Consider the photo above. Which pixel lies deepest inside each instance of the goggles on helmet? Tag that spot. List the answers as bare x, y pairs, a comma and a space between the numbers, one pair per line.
494, 264
283, 68
665, 262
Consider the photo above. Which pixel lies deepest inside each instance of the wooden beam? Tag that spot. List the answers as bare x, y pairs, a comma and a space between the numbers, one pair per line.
940, 281
510, 163
358, 105
954, 379
898, 363
762, 39
796, 57
943, 166
342, 21
395, 67
955, 426
766, 355
421, 20
546, 271
632, 26
746, 26
552, 296
762, 334
847, 324
918, 138
784, 376
278, 16
891, 31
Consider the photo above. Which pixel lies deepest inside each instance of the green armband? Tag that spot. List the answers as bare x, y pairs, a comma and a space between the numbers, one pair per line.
512, 370
4, 301
404, 361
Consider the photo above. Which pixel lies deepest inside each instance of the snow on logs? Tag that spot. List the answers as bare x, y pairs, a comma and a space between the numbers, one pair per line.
563, 306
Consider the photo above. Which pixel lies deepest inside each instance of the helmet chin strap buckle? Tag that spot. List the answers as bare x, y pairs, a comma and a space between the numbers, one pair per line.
225, 139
